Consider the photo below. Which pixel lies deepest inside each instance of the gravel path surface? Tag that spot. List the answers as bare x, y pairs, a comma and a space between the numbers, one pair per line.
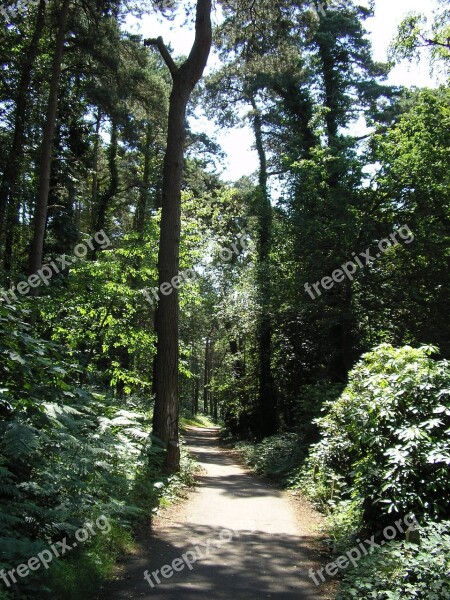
235, 538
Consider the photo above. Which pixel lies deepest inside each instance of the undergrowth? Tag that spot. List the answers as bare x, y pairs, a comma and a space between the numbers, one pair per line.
401, 570
275, 456
382, 454
68, 456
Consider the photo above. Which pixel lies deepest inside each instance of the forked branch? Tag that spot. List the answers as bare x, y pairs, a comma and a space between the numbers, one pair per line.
165, 54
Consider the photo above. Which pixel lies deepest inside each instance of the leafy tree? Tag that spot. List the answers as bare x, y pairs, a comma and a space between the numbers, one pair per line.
414, 35
411, 188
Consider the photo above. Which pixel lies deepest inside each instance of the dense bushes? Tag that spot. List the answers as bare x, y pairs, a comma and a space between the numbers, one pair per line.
275, 456
280, 456
68, 456
385, 442
384, 452
401, 570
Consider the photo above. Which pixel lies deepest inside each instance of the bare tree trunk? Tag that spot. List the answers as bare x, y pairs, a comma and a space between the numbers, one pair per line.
206, 378
40, 215
267, 399
185, 78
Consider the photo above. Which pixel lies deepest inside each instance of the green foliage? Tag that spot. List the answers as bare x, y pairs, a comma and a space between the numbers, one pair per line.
415, 34
404, 297
343, 524
101, 316
74, 429
68, 456
385, 441
154, 488
275, 456
403, 570
82, 575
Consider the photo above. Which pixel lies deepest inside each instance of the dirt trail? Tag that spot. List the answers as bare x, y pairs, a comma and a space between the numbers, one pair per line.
268, 556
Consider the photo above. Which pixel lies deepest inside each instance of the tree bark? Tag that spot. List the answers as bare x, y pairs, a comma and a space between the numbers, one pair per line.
267, 399
94, 192
196, 396
238, 366
185, 78
206, 378
105, 198
40, 215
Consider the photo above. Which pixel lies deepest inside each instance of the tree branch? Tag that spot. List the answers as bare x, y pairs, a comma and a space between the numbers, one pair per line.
200, 50
430, 42
159, 43
280, 172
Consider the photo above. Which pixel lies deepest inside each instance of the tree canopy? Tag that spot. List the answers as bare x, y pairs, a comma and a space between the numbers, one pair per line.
139, 287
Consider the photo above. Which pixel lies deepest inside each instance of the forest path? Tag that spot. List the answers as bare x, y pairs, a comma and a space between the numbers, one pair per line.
243, 539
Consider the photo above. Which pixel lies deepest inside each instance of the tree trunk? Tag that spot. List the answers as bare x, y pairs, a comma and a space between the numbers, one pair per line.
330, 73
238, 365
9, 184
196, 396
267, 400
210, 371
144, 196
185, 78
94, 189
40, 215
206, 378
105, 198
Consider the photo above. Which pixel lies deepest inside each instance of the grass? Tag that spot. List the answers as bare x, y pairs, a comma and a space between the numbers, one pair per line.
196, 421
82, 576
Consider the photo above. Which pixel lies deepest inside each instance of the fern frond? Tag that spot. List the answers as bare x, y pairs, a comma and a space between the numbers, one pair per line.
19, 441
136, 433
7, 519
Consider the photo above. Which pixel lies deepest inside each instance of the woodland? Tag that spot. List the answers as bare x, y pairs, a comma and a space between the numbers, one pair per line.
303, 308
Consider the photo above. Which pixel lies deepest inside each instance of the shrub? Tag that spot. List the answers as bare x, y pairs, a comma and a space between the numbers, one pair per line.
275, 456
67, 456
402, 570
385, 441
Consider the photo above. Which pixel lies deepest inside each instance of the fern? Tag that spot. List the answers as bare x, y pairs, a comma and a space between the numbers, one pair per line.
67, 455
8, 520
19, 441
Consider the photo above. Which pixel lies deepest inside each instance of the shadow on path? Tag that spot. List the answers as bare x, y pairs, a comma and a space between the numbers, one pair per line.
266, 557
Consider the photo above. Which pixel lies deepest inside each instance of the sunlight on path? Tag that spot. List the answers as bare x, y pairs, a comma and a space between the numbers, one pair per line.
263, 553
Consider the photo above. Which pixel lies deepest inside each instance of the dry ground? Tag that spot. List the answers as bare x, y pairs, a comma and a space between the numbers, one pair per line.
255, 541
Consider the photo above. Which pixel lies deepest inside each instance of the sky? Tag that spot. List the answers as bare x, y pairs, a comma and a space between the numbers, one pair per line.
237, 143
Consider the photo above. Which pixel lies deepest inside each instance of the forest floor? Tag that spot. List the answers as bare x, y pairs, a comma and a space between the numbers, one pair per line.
236, 537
